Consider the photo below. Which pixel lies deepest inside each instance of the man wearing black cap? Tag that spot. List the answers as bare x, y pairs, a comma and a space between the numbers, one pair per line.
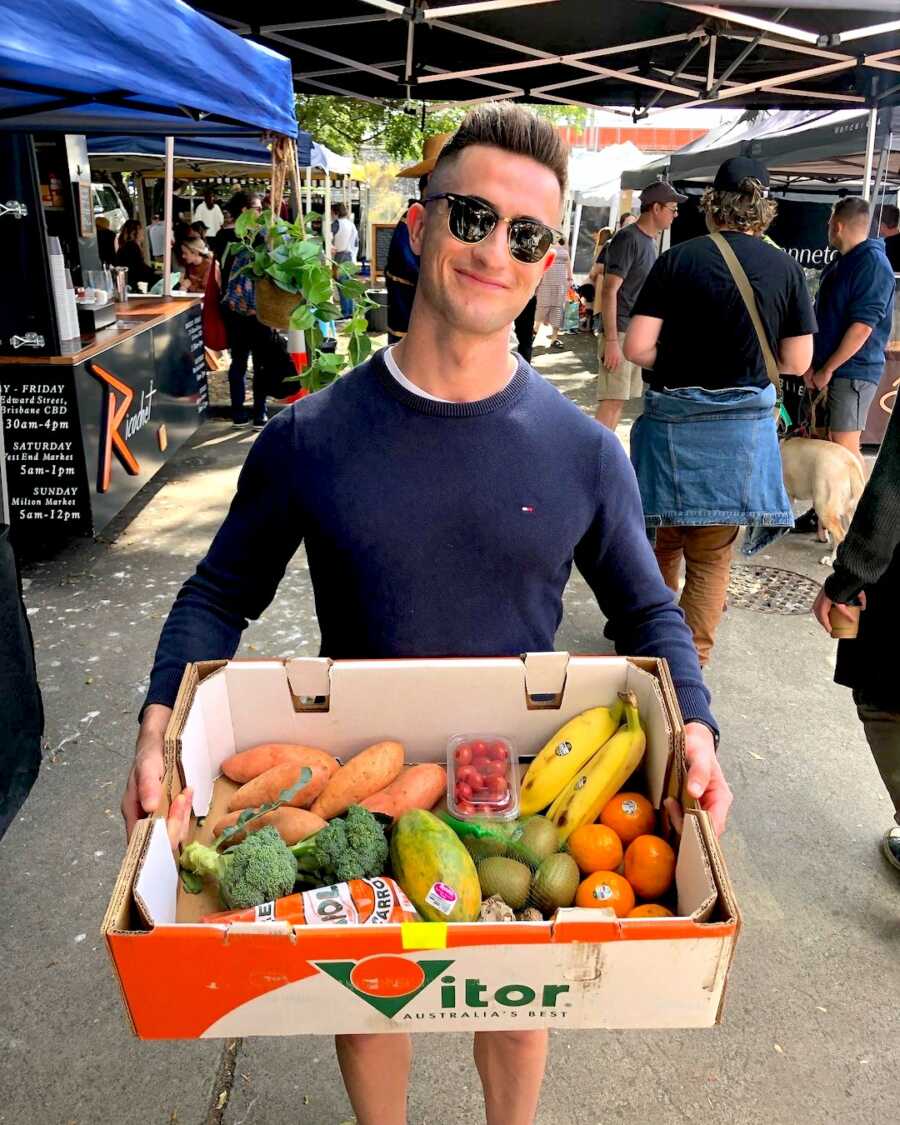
706, 449
629, 259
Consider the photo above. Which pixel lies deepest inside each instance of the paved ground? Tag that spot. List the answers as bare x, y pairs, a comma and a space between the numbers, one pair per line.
811, 1028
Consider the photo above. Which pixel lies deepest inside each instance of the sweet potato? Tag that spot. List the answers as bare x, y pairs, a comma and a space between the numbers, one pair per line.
265, 788
293, 824
246, 765
419, 787
365, 774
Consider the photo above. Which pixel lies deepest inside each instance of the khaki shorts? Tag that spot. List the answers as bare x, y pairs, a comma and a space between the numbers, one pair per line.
623, 383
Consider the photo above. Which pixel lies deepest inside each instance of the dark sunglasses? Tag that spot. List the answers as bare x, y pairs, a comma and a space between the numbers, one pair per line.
471, 220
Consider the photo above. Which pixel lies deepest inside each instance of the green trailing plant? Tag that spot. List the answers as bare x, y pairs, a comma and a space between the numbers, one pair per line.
292, 256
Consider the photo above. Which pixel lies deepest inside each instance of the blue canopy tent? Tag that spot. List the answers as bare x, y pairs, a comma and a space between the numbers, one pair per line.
79, 68
202, 150
75, 68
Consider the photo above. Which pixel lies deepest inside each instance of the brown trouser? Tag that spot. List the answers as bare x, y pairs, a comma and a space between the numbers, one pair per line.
707, 562
883, 736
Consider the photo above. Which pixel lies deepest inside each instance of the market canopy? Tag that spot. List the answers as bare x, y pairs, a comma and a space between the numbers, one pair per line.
218, 156
638, 54
81, 67
806, 147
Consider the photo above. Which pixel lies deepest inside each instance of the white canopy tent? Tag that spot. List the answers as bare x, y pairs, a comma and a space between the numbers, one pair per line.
595, 180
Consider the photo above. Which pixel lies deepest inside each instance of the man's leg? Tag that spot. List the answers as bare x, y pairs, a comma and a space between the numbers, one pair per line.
849, 439
239, 345
883, 736
511, 1067
609, 412
707, 556
669, 550
375, 1069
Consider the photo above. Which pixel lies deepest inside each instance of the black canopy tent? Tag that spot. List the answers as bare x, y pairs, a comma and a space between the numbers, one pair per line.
635, 54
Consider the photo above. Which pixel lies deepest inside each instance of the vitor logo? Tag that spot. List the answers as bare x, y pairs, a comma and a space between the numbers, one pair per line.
390, 982
386, 982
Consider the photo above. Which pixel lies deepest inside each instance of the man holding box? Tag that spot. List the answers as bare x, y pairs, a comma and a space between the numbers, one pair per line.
495, 484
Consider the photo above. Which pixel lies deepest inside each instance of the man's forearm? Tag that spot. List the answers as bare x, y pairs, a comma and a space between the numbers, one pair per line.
610, 319
852, 340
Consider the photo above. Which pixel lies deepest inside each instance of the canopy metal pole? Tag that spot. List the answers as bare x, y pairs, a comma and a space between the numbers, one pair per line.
326, 218
169, 189
870, 153
576, 227
308, 190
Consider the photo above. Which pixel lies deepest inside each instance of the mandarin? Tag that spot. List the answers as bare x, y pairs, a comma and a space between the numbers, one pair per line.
606, 888
649, 866
650, 910
629, 815
594, 847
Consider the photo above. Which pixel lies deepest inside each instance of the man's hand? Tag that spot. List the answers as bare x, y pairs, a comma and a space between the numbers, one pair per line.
143, 791
822, 608
808, 378
705, 780
612, 355
822, 378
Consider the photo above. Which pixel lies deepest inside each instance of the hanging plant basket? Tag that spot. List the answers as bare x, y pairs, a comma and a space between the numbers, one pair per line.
273, 305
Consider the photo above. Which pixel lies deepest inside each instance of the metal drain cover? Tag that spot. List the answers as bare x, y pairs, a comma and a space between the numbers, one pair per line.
771, 589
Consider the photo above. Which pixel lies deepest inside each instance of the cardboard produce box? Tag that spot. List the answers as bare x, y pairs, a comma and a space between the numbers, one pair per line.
182, 979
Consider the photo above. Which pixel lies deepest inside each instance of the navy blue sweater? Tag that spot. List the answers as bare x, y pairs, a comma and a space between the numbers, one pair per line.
433, 529
857, 287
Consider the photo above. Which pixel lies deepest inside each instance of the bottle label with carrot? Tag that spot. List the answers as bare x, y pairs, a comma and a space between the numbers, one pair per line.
361, 902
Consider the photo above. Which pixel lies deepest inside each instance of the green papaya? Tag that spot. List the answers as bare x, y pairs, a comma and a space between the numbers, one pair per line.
432, 865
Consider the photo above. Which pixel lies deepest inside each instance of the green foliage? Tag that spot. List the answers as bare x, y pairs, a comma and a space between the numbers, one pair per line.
345, 124
292, 256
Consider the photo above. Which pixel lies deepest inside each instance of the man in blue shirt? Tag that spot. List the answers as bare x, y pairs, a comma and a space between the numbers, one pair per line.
454, 488
853, 309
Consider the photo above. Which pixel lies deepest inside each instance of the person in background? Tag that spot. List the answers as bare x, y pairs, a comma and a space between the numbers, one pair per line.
196, 260
401, 273
552, 293
210, 213
854, 308
130, 253
705, 449
156, 237
235, 206
198, 230
592, 289
344, 246
867, 570
247, 335
628, 260
464, 432
256, 203
106, 242
889, 230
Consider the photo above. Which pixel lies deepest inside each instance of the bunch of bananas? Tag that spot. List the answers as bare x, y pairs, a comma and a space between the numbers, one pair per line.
584, 765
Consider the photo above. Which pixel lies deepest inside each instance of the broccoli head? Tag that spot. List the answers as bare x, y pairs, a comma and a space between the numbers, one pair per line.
259, 869
350, 847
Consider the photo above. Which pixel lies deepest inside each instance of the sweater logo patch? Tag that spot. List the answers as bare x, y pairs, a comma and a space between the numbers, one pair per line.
527, 508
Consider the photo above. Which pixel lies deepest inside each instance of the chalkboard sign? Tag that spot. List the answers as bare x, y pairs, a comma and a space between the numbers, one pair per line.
382, 233
48, 488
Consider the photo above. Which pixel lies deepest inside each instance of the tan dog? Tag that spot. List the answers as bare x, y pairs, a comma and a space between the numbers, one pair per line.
828, 475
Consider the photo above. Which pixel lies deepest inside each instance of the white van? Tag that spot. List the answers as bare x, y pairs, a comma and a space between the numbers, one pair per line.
107, 205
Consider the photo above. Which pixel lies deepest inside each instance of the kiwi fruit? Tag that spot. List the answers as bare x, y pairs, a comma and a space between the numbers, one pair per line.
507, 878
538, 837
555, 882
484, 847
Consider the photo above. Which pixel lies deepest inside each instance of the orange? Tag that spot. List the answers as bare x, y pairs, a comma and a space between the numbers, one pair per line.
649, 866
606, 888
594, 847
650, 910
629, 815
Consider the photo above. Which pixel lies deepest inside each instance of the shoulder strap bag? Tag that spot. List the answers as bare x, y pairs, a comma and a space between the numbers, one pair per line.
749, 298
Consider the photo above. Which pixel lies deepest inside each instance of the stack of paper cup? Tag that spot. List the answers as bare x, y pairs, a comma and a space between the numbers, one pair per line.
63, 296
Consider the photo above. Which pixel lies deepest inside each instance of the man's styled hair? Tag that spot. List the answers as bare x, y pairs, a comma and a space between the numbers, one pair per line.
748, 209
513, 129
852, 209
339, 209
890, 215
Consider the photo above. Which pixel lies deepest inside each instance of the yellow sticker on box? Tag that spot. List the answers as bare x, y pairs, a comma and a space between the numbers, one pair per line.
423, 935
